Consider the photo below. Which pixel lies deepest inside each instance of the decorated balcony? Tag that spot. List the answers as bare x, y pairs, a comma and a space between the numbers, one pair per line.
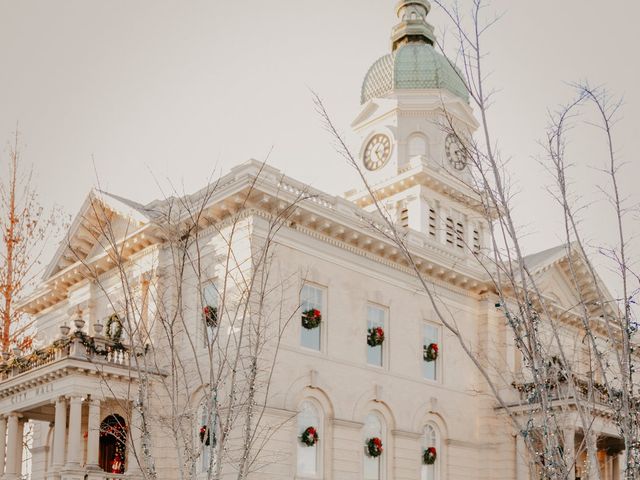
85, 379
76, 346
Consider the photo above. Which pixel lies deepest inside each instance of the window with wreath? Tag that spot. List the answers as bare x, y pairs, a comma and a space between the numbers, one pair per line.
430, 453
309, 436
431, 351
210, 311
313, 316
206, 437
374, 447
376, 334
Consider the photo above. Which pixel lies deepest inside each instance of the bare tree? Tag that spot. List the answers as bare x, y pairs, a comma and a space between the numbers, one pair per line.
26, 226
204, 322
552, 384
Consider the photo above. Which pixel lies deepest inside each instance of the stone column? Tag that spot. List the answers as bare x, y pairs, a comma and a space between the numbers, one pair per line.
522, 463
59, 433
3, 442
569, 448
621, 465
20, 440
592, 456
74, 454
14, 447
93, 434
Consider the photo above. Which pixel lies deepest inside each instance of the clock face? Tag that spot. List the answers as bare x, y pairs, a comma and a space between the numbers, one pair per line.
377, 152
456, 153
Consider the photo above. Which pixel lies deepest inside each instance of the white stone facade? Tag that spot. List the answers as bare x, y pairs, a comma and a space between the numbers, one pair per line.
327, 256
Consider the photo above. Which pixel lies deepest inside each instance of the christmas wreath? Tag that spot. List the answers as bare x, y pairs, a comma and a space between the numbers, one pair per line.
309, 437
429, 456
204, 435
114, 333
311, 318
430, 352
374, 447
210, 315
375, 336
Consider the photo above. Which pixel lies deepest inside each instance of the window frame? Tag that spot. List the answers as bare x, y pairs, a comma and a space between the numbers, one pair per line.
424, 441
202, 471
382, 460
439, 361
320, 416
214, 331
384, 351
324, 322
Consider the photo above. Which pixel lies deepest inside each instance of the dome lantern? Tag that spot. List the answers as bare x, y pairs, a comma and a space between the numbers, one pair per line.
413, 26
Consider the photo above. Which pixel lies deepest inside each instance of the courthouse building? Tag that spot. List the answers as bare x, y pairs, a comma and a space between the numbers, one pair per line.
366, 362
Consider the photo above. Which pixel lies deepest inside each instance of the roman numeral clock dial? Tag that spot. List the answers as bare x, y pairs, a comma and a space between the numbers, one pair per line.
377, 152
456, 153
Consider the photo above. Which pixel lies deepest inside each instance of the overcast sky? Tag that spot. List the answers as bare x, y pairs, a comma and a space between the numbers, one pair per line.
132, 91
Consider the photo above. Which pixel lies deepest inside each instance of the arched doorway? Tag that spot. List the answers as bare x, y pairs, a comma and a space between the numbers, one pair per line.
113, 441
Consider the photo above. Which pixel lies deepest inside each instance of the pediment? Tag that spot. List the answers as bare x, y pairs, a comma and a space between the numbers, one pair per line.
564, 276
559, 288
371, 109
102, 220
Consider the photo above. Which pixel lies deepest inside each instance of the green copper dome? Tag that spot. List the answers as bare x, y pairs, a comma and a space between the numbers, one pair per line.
413, 66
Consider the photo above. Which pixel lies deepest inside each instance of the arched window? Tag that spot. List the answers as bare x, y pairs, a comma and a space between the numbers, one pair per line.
374, 466
430, 440
417, 145
113, 441
309, 456
207, 435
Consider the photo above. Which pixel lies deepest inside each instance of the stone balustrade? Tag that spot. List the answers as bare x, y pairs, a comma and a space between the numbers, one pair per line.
77, 345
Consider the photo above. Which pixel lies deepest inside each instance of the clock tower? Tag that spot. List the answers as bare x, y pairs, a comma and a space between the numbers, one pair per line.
414, 123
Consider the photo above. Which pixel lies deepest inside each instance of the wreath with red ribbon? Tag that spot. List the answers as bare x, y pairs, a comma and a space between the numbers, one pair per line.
430, 352
374, 447
375, 336
210, 315
429, 456
204, 435
311, 318
309, 437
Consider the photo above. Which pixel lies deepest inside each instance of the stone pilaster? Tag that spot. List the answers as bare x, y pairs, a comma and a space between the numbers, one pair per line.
134, 446
74, 454
3, 442
59, 433
93, 434
569, 447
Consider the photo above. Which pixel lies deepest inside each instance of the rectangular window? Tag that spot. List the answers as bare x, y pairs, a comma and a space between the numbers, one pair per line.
376, 318
430, 335
311, 298
460, 235
209, 314
404, 217
476, 240
432, 222
450, 231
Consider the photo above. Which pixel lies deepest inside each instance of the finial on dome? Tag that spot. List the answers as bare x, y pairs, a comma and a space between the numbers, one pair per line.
413, 26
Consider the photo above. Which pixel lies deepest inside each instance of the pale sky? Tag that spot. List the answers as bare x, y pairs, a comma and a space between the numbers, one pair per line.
173, 90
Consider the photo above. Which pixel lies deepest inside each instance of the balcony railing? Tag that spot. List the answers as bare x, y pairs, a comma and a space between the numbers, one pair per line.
78, 346
583, 390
